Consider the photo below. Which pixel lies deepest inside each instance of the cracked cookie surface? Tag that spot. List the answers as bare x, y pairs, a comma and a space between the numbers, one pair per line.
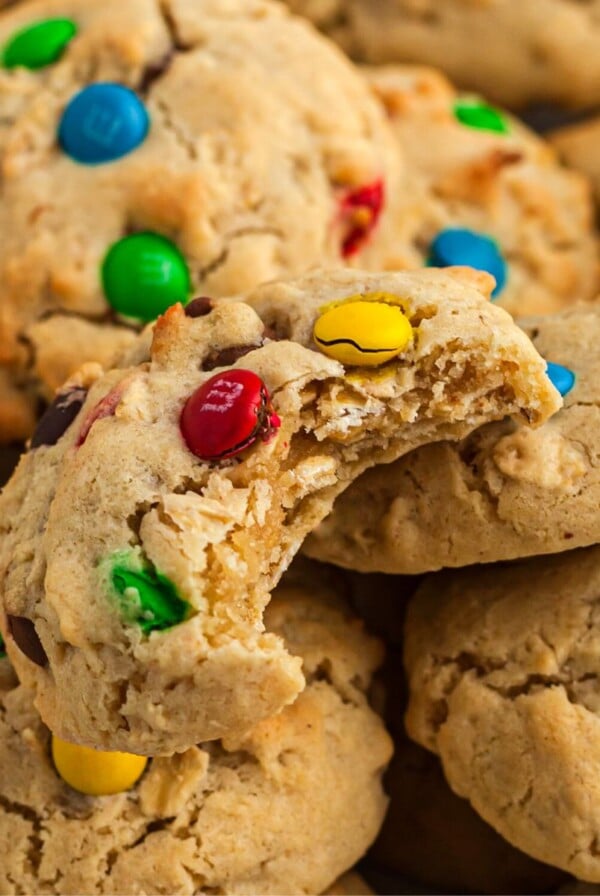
473, 167
503, 671
240, 815
544, 50
504, 492
249, 176
134, 574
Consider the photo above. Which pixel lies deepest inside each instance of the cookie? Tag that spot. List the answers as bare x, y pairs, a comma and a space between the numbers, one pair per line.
120, 196
579, 146
159, 503
417, 842
504, 492
482, 189
285, 808
502, 665
544, 50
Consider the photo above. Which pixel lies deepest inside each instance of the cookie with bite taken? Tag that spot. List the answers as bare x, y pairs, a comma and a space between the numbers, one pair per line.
506, 491
160, 502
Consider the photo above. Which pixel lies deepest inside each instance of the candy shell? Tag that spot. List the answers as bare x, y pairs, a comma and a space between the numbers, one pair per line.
227, 414
460, 246
40, 44
360, 210
148, 599
478, 115
561, 377
363, 333
143, 275
102, 123
94, 772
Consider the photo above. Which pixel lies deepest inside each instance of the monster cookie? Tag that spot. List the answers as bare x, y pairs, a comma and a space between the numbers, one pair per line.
483, 190
160, 502
504, 492
542, 50
579, 146
416, 840
284, 808
503, 665
121, 197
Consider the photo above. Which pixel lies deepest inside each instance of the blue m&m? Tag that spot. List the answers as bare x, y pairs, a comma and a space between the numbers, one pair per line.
561, 377
103, 122
459, 246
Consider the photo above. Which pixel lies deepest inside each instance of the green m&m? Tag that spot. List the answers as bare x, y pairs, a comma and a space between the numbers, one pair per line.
143, 275
476, 114
148, 599
2, 648
39, 44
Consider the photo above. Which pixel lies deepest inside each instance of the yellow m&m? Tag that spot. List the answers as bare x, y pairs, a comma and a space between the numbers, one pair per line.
94, 772
363, 333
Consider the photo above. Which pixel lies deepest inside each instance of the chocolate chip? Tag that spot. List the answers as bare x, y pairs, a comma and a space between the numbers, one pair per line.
199, 307
154, 71
58, 417
227, 356
23, 633
270, 333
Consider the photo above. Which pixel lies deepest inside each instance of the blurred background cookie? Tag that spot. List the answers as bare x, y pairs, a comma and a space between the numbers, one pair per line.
481, 189
538, 50
579, 146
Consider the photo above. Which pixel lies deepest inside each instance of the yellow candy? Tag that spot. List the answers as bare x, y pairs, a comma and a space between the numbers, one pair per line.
94, 772
364, 332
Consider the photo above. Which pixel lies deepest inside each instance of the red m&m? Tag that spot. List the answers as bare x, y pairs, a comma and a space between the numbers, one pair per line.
227, 414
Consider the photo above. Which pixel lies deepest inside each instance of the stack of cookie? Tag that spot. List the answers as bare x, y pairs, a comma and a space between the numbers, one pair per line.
249, 308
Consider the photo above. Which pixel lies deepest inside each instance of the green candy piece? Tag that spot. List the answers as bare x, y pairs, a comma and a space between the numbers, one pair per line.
39, 44
143, 275
478, 115
2, 648
148, 599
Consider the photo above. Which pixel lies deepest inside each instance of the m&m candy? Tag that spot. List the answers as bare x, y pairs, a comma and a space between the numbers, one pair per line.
102, 123
39, 44
143, 275
227, 414
364, 333
478, 115
2, 648
360, 210
148, 599
94, 772
561, 377
460, 246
